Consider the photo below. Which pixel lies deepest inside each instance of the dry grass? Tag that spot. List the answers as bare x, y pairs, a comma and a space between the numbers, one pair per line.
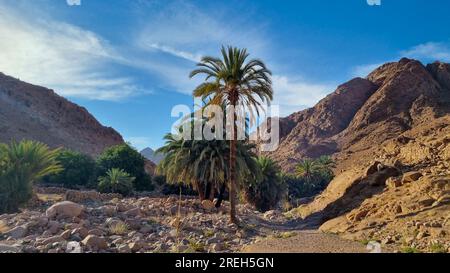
284, 235
119, 229
50, 197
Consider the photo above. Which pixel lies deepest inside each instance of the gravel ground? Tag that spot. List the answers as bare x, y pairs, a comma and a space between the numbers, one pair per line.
307, 241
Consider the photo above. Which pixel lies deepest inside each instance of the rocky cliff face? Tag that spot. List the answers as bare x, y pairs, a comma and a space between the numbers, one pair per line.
363, 113
33, 112
392, 150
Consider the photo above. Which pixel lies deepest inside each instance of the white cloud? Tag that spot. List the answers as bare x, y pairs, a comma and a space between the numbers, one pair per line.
181, 27
187, 33
364, 70
77, 62
430, 50
178, 53
71, 60
295, 94
425, 52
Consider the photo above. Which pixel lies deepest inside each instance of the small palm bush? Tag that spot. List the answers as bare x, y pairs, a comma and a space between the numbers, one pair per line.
116, 181
266, 191
22, 164
126, 158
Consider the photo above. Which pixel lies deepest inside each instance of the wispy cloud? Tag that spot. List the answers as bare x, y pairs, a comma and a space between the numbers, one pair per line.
364, 70
71, 60
429, 51
425, 52
186, 32
79, 63
178, 53
181, 27
293, 94
139, 143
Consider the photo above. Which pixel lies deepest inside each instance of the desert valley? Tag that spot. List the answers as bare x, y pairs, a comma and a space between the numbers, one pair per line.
368, 164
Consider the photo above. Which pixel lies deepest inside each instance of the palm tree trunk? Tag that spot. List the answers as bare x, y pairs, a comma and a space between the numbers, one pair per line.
207, 190
200, 190
221, 194
233, 144
212, 192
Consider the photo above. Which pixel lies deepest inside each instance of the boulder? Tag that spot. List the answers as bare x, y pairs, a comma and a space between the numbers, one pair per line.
65, 209
52, 240
425, 201
96, 232
124, 249
54, 227
95, 242
393, 182
17, 232
379, 178
411, 177
132, 212
8, 249
66, 234
373, 168
83, 232
217, 247
136, 246
208, 205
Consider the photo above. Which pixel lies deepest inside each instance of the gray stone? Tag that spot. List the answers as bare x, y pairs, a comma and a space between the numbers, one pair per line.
17, 232
8, 249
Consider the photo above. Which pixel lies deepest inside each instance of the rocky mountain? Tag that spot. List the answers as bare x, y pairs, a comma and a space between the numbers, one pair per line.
363, 113
151, 155
32, 112
390, 137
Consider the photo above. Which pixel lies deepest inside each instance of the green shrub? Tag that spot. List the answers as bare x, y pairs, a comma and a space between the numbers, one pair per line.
265, 192
128, 159
116, 181
299, 187
22, 164
159, 180
79, 171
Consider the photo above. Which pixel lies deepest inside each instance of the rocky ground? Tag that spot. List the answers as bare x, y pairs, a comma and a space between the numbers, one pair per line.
402, 199
146, 224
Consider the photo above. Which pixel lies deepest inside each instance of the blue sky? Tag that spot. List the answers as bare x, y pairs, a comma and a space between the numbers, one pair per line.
127, 61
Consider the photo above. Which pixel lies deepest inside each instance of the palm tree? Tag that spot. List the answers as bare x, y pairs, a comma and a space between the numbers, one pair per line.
265, 191
310, 168
326, 162
203, 164
116, 181
22, 164
177, 163
232, 81
306, 168
210, 165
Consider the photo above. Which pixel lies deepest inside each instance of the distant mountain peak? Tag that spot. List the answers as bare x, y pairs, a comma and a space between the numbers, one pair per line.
151, 155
